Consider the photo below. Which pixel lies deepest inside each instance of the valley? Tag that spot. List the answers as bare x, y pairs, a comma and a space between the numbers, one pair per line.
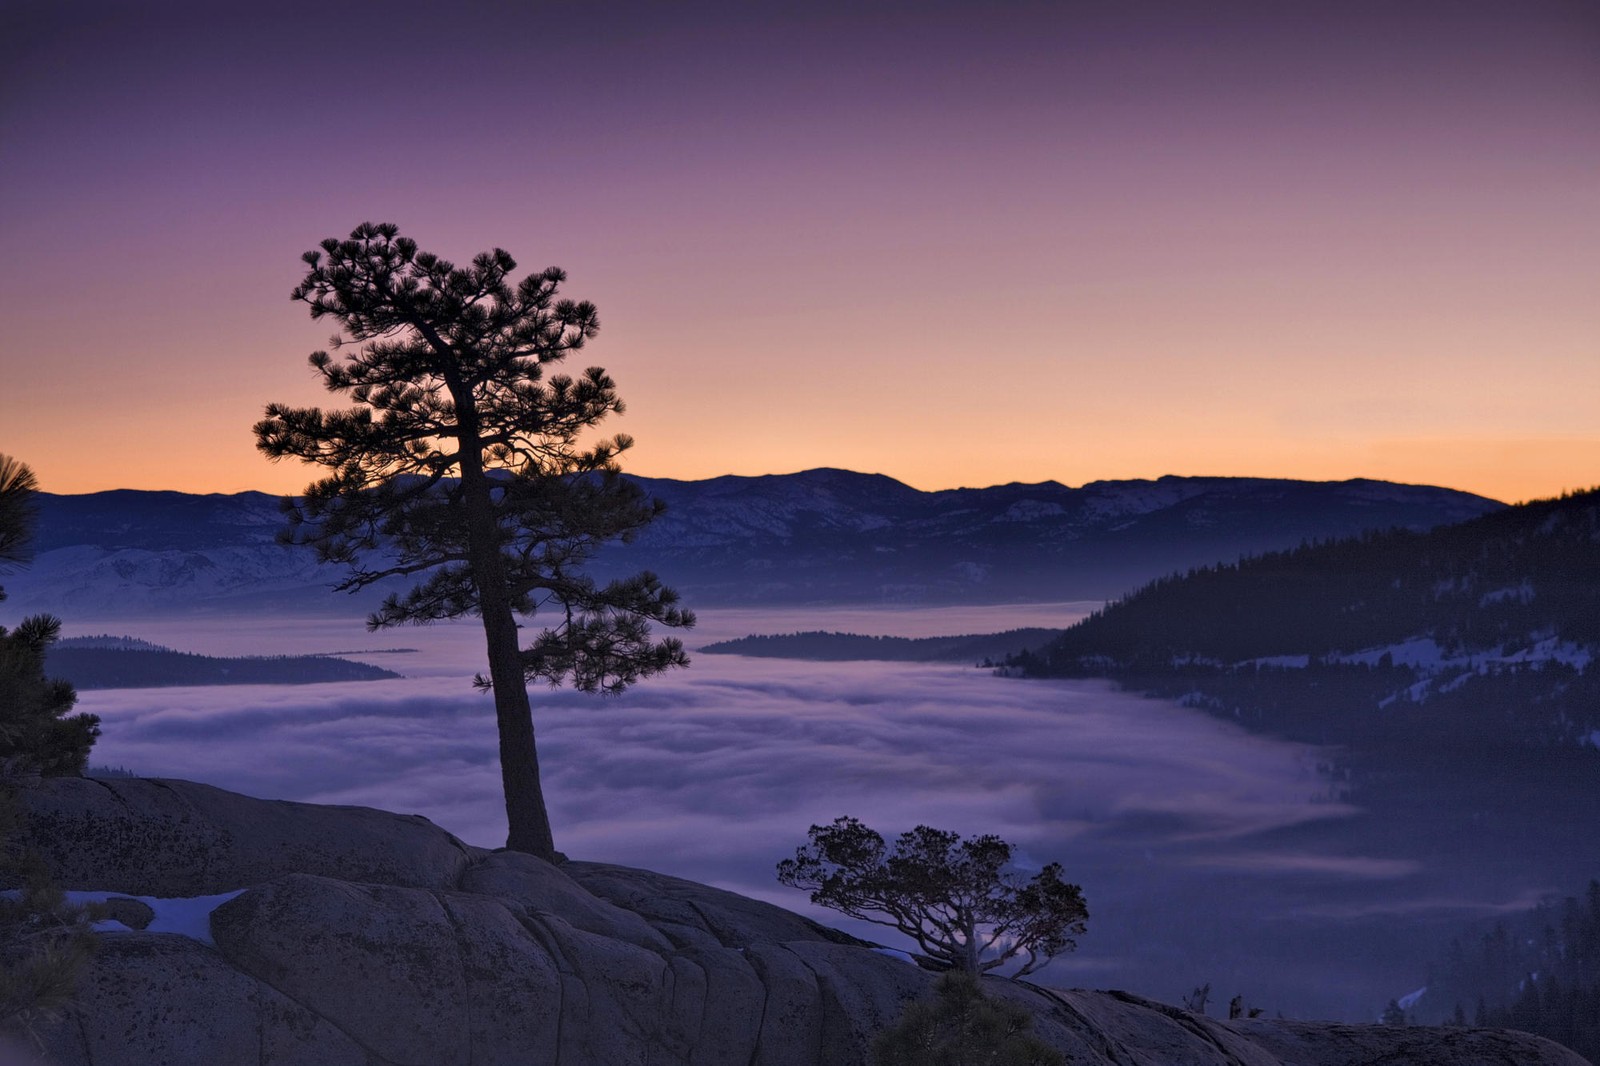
1328, 882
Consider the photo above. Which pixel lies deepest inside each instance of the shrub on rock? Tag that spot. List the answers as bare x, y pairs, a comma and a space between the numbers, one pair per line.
961, 1026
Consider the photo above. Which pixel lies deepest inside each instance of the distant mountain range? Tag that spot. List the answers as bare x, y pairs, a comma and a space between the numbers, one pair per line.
821, 536
1471, 636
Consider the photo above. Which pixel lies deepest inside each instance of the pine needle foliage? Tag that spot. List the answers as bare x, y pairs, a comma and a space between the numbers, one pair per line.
18, 511
44, 941
956, 898
960, 1026
38, 735
465, 466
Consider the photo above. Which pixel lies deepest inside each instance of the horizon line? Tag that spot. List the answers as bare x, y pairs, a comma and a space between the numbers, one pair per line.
1566, 490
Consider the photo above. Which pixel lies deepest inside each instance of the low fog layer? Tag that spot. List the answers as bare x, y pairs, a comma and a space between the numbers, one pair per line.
1206, 854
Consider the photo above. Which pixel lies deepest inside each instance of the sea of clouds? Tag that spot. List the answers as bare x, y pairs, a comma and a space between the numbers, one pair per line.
1207, 854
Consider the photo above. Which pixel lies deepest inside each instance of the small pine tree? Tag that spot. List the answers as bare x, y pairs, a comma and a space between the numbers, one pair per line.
44, 941
37, 735
960, 1026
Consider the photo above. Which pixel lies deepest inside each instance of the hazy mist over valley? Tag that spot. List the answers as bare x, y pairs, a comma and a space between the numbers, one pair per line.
1207, 854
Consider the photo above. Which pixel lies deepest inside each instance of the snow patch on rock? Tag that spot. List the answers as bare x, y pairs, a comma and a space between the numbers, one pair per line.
188, 916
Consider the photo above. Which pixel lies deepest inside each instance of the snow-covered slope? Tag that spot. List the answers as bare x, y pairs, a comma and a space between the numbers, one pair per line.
1489, 625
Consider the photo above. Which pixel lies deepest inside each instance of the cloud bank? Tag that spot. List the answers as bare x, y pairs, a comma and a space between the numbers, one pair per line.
1206, 853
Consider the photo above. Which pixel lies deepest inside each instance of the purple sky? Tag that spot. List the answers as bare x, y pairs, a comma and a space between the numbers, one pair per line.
952, 243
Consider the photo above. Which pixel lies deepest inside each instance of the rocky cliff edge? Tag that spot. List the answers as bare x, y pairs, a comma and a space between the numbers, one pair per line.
345, 935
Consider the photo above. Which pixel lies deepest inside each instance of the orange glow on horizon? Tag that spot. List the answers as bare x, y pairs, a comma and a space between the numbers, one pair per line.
960, 249
1513, 471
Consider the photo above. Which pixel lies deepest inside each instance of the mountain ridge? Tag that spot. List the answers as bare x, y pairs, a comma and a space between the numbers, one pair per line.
818, 536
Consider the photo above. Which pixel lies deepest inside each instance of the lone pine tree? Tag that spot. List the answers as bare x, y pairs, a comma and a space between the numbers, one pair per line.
464, 465
956, 898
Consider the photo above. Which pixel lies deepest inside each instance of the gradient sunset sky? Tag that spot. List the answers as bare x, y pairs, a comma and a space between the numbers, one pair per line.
958, 244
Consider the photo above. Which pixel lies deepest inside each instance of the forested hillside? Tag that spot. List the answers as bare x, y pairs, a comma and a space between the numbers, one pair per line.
1538, 971
1472, 634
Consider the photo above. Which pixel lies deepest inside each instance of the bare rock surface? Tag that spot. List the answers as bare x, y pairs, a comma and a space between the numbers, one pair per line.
1331, 1044
372, 939
152, 998
356, 951
728, 917
542, 887
158, 837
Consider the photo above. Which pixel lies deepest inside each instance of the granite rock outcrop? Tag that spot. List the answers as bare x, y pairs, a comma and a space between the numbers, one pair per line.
374, 939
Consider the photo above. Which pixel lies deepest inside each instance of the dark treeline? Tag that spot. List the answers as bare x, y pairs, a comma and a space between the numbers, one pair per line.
1538, 972
90, 667
840, 647
1523, 579
1500, 577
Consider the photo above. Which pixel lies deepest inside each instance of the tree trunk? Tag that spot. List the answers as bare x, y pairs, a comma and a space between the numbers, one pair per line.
528, 821
969, 950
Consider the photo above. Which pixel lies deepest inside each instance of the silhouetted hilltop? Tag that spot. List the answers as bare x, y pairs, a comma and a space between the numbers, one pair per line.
125, 662
841, 647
